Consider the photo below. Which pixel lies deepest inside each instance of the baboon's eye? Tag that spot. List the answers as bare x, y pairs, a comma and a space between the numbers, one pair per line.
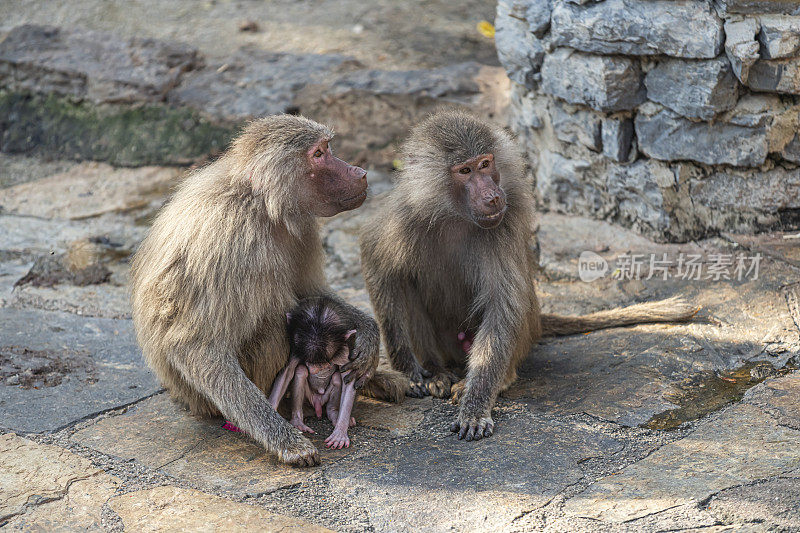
484, 163
465, 170
318, 153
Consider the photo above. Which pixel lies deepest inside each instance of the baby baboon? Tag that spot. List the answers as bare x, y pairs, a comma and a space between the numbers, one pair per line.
321, 341
224, 262
450, 273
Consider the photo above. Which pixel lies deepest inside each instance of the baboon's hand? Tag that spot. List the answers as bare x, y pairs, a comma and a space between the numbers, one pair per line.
301, 453
363, 361
418, 384
471, 426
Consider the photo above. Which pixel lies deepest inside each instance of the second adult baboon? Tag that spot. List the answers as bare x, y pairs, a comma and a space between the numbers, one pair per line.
224, 262
450, 272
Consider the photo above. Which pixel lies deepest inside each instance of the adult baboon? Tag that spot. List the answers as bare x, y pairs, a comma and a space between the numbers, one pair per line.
227, 258
447, 261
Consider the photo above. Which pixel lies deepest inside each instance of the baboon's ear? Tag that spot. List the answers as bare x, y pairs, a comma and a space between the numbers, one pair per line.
350, 337
288, 317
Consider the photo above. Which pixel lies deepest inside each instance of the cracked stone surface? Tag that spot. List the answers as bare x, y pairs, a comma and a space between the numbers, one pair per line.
45, 488
176, 509
739, 447
772, 504
485, 485
95, 365
161, 435
94, 445
88, 190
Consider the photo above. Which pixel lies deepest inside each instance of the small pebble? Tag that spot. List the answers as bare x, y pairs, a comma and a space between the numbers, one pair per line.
249, 25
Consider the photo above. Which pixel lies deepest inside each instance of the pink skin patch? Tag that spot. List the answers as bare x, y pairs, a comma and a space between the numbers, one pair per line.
230, 427
465, 339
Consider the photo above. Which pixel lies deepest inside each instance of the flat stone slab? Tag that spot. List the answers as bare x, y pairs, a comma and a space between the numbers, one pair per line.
441, 483
58, 368
630, 374
614, 374
46, 488
176, 509
104, 300
397, 419
89, 190
92, 65
780, 398
162, 435
772, 505
33, 235
740, 446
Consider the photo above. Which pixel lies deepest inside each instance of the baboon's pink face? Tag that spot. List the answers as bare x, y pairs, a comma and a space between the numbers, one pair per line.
336, 186
477, 187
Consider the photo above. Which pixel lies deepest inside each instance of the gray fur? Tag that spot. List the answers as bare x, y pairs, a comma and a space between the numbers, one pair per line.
431, 272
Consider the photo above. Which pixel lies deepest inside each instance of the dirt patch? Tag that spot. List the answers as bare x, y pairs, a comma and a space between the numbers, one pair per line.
381, 33
35, 369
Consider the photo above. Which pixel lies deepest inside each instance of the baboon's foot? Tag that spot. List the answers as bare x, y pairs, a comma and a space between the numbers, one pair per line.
298, 422
418, 387
440, 384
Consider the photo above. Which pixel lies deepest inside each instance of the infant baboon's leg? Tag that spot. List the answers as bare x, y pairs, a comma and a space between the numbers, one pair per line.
332, 398
338, 438
299, 393
282, 383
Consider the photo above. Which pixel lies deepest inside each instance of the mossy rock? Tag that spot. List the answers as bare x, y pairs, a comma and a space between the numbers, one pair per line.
123, 135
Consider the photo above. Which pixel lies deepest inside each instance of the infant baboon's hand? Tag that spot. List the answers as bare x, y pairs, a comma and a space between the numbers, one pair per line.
301, 453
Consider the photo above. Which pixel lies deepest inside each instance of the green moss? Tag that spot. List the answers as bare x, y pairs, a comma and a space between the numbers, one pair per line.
120, 134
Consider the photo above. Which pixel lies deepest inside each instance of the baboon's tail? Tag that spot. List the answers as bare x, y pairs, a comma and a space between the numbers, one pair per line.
674, 309
387, 384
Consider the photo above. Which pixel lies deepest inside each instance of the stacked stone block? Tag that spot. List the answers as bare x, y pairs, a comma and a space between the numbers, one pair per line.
678, 118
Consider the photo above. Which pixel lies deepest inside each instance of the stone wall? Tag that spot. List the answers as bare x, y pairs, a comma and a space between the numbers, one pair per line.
678, 118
